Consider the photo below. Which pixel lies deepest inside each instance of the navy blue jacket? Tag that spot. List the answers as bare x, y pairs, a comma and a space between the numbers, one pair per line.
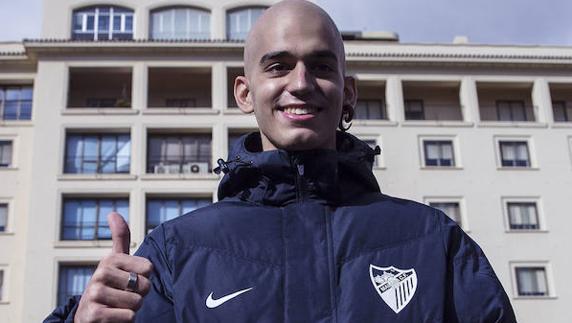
308, 237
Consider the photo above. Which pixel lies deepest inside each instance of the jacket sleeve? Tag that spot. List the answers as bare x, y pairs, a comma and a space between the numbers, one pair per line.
474, 292
64, 313
158, 303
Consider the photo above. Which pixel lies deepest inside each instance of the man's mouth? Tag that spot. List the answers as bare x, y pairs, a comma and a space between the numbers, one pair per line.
300, 109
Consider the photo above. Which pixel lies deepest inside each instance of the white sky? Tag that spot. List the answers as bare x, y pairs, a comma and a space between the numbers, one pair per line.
543, 22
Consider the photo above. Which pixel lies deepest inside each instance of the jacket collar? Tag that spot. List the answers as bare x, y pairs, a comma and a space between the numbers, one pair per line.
280, 177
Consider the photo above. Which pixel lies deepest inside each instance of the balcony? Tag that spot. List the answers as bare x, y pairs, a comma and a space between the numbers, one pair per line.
97, 87
433, 101
505, 102
175, 87
371, 101
561, 95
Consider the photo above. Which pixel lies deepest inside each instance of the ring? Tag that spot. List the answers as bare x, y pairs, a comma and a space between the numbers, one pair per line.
132, 282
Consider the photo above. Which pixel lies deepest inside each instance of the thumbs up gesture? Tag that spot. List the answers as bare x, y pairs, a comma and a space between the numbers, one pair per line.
119, 283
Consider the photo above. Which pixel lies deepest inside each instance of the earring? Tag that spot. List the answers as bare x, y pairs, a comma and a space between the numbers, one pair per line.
347, 116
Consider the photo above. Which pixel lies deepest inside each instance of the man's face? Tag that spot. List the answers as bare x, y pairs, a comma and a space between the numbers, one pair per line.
296, 83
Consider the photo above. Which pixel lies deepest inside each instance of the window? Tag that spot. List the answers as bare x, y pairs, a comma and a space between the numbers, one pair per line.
3, 217
523, 216
86, 218
514, 154
180, 23
451, 209
369, 110
102, 23
176, 154
5, 153
439, 153
97, 153
160, 210
511, 111
531, 281
16, 102
72, 281
1, 285
414, 110
561, 112
239, 21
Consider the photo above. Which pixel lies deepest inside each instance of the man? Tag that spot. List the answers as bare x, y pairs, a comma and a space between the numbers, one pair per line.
301, 232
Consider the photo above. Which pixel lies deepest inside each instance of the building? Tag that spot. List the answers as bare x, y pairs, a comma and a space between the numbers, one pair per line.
127, 106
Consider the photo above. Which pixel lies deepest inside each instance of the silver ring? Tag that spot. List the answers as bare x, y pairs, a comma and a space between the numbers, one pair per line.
132, 282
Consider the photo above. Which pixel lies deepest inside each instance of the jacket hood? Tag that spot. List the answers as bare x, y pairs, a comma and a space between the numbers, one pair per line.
279, 177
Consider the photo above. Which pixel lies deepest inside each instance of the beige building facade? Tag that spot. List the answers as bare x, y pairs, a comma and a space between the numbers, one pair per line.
128, 105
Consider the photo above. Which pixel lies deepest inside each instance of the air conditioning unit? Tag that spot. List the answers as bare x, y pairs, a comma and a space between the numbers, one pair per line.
166, 169
173, 169
196, 168
160, 169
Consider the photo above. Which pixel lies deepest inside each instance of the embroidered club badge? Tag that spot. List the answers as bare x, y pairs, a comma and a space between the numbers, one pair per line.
395, 286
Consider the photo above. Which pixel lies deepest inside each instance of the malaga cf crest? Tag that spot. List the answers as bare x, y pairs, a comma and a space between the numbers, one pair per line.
395, 286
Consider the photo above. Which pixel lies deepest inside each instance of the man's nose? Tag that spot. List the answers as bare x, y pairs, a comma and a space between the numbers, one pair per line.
301, 80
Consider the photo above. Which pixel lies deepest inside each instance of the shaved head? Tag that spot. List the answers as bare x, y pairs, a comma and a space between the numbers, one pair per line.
280, 18
295, 82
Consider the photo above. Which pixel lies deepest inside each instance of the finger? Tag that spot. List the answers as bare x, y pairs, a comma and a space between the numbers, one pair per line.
136, 264
120, 234
107, 314
116, 298
117, 278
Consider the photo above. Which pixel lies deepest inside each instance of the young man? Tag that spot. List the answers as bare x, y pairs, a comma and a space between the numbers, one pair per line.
301, 232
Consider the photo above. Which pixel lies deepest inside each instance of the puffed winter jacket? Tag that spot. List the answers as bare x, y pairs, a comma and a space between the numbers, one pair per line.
308, 237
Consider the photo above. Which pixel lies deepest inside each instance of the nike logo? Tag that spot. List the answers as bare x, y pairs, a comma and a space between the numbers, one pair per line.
212, 303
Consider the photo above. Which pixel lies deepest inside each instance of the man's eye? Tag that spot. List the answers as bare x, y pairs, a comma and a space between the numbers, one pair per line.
277, 67
323, 68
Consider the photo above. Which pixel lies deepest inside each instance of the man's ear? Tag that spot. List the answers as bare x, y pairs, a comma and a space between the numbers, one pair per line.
242, 95
350, 91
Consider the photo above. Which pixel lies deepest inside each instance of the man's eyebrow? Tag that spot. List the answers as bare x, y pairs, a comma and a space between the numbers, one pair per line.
274, 55
324, 54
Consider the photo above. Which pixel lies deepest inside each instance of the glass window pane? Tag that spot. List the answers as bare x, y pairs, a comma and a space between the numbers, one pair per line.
5, 153
108, 154
11, 110
26, 93
72, 281
129, 23
1, 284
171, 210
116, 22
154, 208
518, 112
13, 94
90, 26
3, 217
504, 111
103, 23
375, 109
89, 219
74, 152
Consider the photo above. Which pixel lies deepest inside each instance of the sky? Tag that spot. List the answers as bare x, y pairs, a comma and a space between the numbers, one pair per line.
526, 22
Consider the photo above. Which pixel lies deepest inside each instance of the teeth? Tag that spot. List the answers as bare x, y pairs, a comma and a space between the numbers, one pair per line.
297, 110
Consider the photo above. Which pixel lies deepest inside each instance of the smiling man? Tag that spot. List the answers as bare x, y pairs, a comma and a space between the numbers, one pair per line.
301, 232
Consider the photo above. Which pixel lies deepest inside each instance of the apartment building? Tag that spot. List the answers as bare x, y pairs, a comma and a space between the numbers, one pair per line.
127, 105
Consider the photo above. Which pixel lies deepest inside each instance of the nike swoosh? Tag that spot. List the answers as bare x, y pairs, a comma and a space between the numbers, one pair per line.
212, 303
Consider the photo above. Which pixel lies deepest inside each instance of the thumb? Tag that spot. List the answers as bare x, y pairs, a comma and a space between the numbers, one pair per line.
120, 234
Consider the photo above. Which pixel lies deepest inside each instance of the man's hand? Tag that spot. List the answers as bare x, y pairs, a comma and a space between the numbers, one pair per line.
106, 297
